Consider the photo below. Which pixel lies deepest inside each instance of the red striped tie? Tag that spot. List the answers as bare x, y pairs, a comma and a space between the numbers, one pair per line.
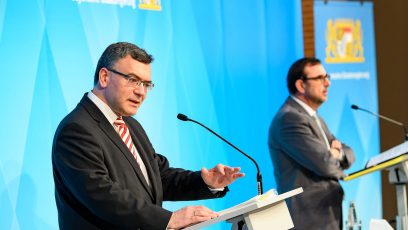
125, 135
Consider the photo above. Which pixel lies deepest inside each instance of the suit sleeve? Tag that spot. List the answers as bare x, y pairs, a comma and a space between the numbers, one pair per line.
178, 184
300, 142
349, 157
82, 177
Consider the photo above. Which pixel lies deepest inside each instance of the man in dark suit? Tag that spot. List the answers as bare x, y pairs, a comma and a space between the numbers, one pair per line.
305, 153
107, 174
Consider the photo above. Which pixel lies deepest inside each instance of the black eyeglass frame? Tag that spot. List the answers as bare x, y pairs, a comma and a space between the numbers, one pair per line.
322, 78
133, 80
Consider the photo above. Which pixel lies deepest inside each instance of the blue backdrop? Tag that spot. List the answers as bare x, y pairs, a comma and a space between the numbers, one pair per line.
344, 36
223, 63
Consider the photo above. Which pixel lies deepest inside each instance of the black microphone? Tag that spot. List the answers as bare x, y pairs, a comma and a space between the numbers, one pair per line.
258, 175
385, 118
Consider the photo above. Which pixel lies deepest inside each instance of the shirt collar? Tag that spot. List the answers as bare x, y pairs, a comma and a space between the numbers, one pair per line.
105, 109
308, 109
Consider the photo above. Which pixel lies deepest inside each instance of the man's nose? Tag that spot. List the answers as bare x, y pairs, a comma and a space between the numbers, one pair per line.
327, 81
140, 90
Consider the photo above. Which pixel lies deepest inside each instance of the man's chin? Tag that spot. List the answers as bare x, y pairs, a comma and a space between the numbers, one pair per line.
323, 99
130, 112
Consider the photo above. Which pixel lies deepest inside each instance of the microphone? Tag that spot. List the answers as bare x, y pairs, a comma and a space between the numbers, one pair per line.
385, 118
183, 117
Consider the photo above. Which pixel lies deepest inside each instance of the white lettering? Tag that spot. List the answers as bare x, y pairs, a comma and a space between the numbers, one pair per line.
121, 3
350, 76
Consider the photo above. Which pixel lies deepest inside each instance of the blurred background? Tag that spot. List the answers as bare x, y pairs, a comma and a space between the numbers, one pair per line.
223, 63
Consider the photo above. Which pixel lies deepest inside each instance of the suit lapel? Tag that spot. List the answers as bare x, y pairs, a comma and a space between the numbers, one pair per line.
141, 150
110, 132
312, 122
325, 130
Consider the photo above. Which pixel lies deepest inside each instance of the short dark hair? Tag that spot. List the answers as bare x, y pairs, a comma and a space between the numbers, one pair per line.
297, 71
117, 51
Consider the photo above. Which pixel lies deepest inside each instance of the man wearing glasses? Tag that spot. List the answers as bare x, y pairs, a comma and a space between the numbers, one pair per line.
305, 153
107, 174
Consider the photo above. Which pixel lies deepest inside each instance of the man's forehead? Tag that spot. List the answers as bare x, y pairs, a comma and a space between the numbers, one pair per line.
130, 62
315, 68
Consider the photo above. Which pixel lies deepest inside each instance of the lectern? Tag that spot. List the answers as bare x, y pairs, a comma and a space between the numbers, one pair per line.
395, 161
263, 212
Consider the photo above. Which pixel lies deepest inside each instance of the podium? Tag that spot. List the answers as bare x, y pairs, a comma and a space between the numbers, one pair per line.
262, 212
395, 161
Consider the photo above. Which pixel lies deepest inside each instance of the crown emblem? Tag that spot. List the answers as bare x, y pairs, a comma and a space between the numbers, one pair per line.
344, 41
150, 5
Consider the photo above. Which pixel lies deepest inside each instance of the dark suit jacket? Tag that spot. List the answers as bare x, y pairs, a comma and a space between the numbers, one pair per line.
301, 159
98, 183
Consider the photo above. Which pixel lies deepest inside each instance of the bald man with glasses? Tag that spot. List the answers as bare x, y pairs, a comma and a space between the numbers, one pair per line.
305, 153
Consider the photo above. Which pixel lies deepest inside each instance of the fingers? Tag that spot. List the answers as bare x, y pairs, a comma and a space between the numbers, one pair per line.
336, 144
335, 153
220, 176
233, 173
238, 175
204, 171
220, 169
232, 170
203, 212
223, 169
190, 215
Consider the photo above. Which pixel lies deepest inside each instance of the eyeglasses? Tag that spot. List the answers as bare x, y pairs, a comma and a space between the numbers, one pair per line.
133, 81
322, 78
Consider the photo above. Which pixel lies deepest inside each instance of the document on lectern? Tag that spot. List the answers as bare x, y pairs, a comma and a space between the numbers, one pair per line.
236, 210
254, 201
252, 204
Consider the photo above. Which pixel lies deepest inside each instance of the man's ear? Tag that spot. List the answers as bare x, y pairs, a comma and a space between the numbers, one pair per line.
103, 78
300, 86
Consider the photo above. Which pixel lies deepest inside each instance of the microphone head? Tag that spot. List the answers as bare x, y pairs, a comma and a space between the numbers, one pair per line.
354, 107
182, 117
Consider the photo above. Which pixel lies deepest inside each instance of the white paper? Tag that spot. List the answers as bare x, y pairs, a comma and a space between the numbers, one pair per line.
271, 193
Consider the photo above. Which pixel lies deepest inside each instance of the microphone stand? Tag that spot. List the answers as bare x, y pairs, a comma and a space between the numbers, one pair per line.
385, 118
258, 175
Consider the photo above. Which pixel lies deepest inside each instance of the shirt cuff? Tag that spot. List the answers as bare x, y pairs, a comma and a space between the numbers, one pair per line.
215, 190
